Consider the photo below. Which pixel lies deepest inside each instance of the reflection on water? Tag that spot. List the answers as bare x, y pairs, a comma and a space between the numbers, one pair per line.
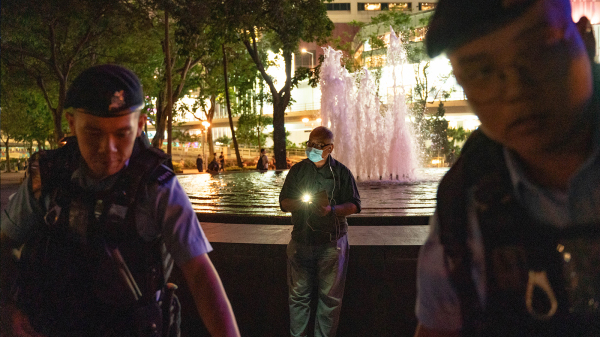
257, 193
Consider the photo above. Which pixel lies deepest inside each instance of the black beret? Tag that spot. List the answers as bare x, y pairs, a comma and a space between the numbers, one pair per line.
106, 91
456, 22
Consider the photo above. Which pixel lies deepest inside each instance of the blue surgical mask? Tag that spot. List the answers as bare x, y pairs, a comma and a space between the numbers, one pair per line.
314, 155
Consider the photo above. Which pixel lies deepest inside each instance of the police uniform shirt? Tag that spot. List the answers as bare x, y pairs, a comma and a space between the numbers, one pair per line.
167, 213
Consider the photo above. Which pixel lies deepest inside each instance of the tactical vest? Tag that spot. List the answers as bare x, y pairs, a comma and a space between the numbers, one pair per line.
87, 271
540, 281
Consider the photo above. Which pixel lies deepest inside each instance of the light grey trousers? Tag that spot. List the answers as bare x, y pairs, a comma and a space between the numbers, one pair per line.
322, 266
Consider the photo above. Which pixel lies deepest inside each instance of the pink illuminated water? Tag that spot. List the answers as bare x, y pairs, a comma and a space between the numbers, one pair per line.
372, 139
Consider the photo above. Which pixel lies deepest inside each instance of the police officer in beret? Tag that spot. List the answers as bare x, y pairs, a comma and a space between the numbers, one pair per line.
99, 223
514, 246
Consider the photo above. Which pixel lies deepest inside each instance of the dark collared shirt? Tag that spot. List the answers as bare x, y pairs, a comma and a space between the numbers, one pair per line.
305, 178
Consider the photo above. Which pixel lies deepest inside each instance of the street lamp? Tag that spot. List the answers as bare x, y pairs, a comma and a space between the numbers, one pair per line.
205, 125
312, 63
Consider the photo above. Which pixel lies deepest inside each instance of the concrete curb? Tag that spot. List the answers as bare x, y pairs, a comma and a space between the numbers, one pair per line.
12, 178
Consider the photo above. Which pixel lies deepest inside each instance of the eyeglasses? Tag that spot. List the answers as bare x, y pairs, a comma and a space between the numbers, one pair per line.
536, 63
317, 146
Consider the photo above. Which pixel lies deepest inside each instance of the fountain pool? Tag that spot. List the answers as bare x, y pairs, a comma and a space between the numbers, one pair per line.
248, 195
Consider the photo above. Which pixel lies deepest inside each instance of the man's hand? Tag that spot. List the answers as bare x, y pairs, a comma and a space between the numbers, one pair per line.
292, 205
321, 210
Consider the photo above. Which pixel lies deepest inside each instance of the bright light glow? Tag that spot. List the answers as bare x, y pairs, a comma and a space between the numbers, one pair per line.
304, 120
435, 161
319, 120
373, 7
205, 124
306, 198
591, 9
277, 68
303, 50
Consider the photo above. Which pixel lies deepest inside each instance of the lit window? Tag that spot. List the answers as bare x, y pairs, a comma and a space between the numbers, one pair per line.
367, 6
400, 6
425, 6
372, 6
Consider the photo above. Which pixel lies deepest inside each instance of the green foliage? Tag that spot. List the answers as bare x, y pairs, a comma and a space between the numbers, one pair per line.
25, 115
373, 33
456, 137
279, 25
224, 140
250, 126
51, 42
437, 128
185, 137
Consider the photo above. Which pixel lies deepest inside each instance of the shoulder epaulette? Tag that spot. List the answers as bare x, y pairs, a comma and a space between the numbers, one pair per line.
162, 174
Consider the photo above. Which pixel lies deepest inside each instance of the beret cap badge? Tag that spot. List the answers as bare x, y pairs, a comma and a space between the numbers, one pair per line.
117, 101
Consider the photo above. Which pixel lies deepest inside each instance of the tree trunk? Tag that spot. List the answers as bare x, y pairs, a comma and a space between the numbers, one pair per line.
169, 84
279, 106
254, 100
209, 141
279, 133
235, 144
7, 156
58, 112
160, 122
209, 118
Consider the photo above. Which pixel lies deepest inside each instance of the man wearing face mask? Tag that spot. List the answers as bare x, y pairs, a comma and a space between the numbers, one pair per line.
320, 192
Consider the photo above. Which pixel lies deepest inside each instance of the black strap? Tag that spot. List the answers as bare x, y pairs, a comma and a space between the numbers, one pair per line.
473, 166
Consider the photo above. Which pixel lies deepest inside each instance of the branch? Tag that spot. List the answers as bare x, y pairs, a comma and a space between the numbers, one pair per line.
192, 65
40, 83
79, 46
253, 50
183, 75
22, 51
54, 63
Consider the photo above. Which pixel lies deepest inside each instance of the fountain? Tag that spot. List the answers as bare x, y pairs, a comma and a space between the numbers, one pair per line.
372, 139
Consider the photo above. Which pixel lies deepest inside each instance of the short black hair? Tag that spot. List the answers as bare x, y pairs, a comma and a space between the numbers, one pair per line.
322, 132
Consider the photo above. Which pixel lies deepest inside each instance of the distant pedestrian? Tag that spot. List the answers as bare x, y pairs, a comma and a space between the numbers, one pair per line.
213, 166
451, 158
263, 161
199, 163
222, 161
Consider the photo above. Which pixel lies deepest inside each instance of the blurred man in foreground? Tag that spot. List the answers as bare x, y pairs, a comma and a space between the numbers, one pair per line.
514, 247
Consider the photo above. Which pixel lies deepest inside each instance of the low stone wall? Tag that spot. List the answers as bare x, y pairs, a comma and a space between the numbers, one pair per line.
379, 297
